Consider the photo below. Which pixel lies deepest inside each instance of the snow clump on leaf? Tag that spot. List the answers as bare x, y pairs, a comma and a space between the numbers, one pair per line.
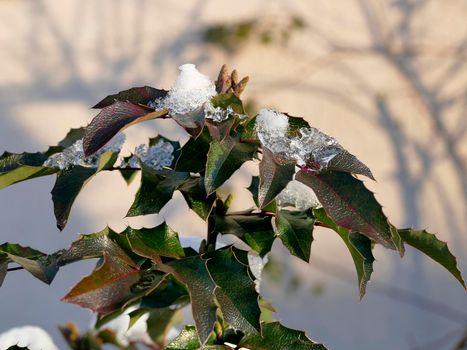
74, 155
299, 196
157, 156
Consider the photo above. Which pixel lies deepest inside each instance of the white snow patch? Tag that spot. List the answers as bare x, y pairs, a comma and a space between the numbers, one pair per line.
298, 195
191, 90
74, 155
157, 156
35, 338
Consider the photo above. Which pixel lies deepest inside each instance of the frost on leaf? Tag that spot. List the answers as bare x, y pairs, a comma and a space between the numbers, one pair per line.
311, 146
299, 196
74, 154
156, 156
191, 90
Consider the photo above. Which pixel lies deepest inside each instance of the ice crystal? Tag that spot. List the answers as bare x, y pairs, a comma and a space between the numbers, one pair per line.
218, 114
298, 195
32, 337
74, 155
311, 146
191, 90
157, 156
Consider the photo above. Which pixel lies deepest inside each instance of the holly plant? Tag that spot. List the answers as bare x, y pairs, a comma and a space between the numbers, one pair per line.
306, 179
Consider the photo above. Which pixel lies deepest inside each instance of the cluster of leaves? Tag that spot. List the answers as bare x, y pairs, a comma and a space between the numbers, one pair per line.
148, 268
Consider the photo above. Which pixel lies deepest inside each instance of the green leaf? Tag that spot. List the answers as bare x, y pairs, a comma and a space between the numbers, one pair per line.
235, 289
224, 158
95, 245
193, 273
196, 197
194, 154
69, 184
40, 265
437, 250
154, 242
159, 323
188, 340
111, 120
347, 162
295, 229
219, 130
156, 189
359, 247
137, 95
254, 189
277, 337
256, 231
105, 289
169, 292
349, 204
273, 177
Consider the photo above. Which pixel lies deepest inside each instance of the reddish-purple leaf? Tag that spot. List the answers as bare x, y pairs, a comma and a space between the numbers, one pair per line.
349, 204
347, 162
106, 288
137, 95
113, 119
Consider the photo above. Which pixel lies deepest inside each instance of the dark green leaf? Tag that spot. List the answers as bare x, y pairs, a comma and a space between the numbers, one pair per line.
277, 337
224, 158
359, 247
94, 246
111, 120
3, 270
169, 292
256, 231
159, 323
437, 250
195, 195
154, 242
157, 188
349, 204
194, 154
346, 162
235, 290
188, 340
69, 184
137, 95
219, 130
193, 273
295, 229
295, 124
273, 177
40, 265
254, 189
105, 289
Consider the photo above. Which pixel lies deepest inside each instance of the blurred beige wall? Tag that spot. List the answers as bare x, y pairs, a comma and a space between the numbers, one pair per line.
388, 79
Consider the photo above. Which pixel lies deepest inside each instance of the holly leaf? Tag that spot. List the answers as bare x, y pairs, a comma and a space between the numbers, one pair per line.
273, 177
256, 231
160, 322
295, 229
437, 250
169, 293
111, 120
224, 158
194, 154
193, 273
349, 204
219, 130
106, 288
188, 340
154, 242
95, 245
42, 266
196, 197
137, 95
156, 189
347, 162
69, 184
235, 289
359, 247
277, 337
